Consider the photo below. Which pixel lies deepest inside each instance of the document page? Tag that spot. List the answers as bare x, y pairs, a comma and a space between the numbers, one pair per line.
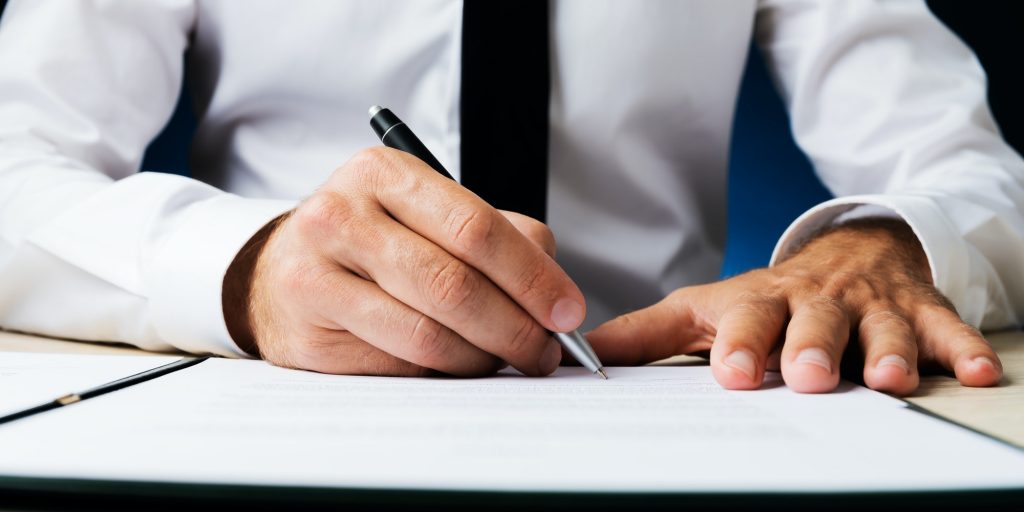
659, 429
30, 379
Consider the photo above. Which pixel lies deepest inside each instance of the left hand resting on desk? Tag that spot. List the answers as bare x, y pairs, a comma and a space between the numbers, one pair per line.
866, 281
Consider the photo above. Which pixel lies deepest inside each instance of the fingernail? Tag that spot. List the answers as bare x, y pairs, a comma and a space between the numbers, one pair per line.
815, 356
894, 360
743, 361
567, 315
551, 357
984, 361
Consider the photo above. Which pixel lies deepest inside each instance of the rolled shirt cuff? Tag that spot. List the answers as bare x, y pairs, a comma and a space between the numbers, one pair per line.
190, 265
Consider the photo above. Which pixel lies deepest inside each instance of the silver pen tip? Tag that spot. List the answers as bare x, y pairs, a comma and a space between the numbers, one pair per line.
374, 109
600, 371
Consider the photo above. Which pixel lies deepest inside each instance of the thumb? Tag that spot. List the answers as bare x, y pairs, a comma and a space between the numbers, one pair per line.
663, 330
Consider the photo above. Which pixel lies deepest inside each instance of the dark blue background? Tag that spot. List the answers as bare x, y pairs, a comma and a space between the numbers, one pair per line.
770, 180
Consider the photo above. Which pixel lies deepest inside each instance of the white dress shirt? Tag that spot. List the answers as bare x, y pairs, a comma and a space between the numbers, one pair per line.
889, 105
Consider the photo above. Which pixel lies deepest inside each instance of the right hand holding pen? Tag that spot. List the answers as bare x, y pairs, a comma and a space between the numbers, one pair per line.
392, 269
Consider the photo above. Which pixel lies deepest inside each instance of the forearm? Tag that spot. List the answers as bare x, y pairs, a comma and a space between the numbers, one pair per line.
138, 261
90, 248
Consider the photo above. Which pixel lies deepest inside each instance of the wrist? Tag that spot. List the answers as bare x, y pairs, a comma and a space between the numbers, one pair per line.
874, 240
238, 288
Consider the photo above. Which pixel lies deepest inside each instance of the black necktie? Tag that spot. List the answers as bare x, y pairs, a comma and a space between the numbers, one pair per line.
505, 87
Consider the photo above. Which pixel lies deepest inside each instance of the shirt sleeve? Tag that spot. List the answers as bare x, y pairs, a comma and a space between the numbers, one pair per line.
891, 108
90, 248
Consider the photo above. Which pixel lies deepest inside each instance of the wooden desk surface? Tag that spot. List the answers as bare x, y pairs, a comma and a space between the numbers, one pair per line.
997, 411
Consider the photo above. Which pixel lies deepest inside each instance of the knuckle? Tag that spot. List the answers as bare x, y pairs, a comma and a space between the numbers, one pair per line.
887, 318
374, 153
542, 235
376, 364
965, 340
370, 158
532, 287
931, 316
451, 284
799, 284
884, 328
753, 297
838, 281
970, 333
370, 167
827, 305
682, 298
318, 214
429, 341
326, 216
755, 309
470, 229
310, 349
756, 303
851, 285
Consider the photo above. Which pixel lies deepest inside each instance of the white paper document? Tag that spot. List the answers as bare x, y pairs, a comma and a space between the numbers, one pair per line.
645, 429
30, 379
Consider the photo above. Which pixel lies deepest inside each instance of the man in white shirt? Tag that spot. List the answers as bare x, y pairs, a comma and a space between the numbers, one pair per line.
387, 268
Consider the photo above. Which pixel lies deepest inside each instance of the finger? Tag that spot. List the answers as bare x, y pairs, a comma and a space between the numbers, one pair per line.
650, 334
890, 351
747, 331
959, 347
815, 339
351, 303
343, 353
418, 273
467, 227
535, 230
774, 362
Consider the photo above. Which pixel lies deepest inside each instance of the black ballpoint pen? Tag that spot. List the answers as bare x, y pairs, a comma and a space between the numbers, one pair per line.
103, 389
397, 135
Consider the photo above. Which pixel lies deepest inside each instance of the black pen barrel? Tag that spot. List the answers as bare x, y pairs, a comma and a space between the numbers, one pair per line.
397, 135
